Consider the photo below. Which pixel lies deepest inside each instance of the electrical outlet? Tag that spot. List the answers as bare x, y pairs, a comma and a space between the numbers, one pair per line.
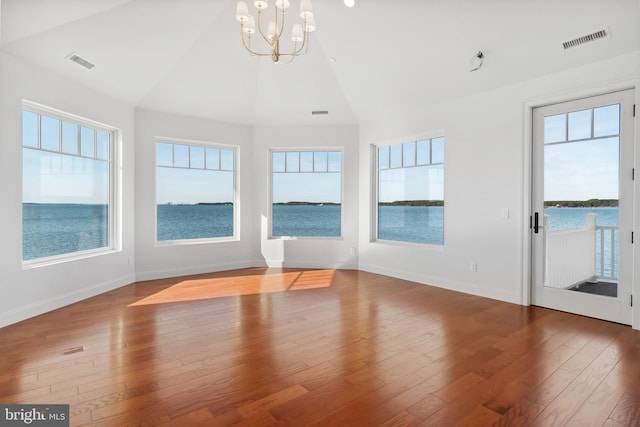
473, 266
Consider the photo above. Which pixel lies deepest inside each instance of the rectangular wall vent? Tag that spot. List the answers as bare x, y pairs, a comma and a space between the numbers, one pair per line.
319, 112
81, 61
585, 39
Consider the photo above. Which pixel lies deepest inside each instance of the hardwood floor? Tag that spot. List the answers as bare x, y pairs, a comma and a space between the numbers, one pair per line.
267, 347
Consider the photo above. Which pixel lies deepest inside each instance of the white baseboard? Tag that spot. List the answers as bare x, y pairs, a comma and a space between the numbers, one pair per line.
440, 282
24, 312
312, 264
195, 269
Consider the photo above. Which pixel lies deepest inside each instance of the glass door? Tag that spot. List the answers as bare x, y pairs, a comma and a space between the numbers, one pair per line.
582, 206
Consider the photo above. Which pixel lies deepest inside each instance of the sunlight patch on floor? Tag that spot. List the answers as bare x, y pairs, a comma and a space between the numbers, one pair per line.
219, 287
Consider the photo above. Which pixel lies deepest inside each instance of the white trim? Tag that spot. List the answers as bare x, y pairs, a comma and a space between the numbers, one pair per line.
375, 181
444, 283
527, 140
35, 309
236, 190
195, 269
115, 181
270, 173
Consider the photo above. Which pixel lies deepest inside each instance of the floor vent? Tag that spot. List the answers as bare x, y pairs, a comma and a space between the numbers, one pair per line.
72, 350
81, 61
585, 39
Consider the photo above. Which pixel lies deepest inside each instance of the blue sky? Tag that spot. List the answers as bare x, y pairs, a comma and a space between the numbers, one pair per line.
578, 170
585, 168
75, 170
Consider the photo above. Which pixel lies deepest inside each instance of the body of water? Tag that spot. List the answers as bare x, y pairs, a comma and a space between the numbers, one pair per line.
52, 229
575, 217
180, 222
306, 220
418, 224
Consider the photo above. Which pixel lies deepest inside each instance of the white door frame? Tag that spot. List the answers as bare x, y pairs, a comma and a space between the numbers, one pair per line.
527, 180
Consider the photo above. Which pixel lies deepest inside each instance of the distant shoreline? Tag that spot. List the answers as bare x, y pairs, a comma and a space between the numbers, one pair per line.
413, 203
591, 203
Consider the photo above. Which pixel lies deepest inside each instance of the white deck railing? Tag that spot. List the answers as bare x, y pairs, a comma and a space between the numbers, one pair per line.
607, 243
570, 254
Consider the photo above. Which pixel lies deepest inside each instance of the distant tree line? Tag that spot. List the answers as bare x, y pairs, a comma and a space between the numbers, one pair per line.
591, 203
413, 203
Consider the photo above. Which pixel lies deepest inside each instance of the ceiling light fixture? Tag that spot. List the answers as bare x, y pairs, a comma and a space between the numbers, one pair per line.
275, 29
349, 3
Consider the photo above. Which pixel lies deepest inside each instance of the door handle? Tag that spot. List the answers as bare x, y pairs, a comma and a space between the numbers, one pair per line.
535, 223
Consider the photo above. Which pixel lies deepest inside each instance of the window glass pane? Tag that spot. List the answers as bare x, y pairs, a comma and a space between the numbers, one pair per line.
197, 157
29, 129
580, 124
293, 161
383, 157
409, 154
50, 133
65, 199
555, 128
102, 145
87, 142
164, 154
411, 204
306, 161
396, 156
437, 150
410, 196
180, 156
335, 161
606, 120
69, 138
306, 202
423, 152
194, 202
279, 161
590, 166
226, 160
213, 158
320, 161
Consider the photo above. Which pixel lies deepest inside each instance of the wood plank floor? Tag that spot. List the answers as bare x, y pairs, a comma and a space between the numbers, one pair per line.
273, 347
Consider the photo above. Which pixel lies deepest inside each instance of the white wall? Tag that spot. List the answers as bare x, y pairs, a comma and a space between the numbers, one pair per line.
28, 292
155, 261
486, 172
307, 252
486, 151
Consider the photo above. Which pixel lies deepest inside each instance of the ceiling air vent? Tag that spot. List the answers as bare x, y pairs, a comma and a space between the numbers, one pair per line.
585, 39
81, 61
319, 112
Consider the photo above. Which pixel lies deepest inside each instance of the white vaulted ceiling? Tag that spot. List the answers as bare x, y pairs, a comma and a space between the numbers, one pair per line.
391, 56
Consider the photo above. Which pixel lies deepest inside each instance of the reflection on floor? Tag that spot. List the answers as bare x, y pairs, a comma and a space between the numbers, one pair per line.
607, 289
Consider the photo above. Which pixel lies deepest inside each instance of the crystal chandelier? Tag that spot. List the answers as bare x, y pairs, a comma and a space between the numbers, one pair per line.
275, 29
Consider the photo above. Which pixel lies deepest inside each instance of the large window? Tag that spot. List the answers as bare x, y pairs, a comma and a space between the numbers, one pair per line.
410, 191
195, 191
68, 185
306, 193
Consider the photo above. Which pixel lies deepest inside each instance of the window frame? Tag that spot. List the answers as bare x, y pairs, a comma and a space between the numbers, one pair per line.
375, 183
115, 189
271, 172
236, 189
